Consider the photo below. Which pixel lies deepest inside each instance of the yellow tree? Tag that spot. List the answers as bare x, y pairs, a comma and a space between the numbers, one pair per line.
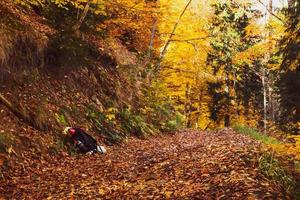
183, 55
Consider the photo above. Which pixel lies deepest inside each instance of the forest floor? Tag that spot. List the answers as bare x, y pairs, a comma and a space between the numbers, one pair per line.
186, 165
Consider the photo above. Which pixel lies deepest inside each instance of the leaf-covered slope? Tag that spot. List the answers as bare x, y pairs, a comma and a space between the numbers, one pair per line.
59, 80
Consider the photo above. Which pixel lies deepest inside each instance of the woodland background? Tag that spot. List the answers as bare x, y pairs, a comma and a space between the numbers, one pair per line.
121, 68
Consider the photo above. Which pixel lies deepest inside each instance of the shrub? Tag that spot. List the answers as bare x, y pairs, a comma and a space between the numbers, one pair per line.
102, 123
158, 108
289, 149
176, 122
135, 124
61, 119
61, 144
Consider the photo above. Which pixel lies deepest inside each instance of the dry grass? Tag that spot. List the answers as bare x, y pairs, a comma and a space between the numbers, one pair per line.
20, 51
22, 41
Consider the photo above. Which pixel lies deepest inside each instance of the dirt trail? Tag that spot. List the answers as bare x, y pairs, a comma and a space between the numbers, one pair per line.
187, 165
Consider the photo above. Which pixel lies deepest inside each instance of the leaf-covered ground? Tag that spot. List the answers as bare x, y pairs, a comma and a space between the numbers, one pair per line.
187, 165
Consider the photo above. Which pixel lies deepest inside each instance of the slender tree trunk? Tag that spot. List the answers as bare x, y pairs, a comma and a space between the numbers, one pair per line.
236, 102
199, 109
165, 48
272, 97
264, 79
152, 38
76, 27
187, 105
270, 79
264, 86
227, 91
291, 3
271, 5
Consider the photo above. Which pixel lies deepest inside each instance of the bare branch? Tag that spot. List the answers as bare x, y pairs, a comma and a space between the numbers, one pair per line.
272, 13
164, 51
191, 39
82, 17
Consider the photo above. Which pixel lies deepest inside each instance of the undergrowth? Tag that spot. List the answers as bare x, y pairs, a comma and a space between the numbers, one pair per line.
135, 124
6, 142
116, 124
273, 167
104, 125
254, 134
62, 144
275, 158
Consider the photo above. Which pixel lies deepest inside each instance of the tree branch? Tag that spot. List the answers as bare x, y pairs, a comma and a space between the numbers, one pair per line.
191, 39
272, 13
164, 51
82, 17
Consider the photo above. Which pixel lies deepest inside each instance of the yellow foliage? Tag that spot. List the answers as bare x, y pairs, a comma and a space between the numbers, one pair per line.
289, 149
111, 113
185, 61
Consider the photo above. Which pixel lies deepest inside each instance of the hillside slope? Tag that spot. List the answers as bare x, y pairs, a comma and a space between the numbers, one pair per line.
52, 79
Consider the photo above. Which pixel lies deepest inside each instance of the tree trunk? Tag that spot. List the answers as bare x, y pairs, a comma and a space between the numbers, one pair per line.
291, 3
76, 27
152, 38
236, 101
270, 81
199, 109
264, 86
187, 107
271, 5
272, 97
227, 91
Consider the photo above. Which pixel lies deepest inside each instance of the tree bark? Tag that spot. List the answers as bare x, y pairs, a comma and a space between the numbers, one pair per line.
152, 38
199, 109
188, 105
291, 3
264, 85
76, 27
227, 93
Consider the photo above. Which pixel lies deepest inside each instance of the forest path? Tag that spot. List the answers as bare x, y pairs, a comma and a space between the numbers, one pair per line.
186, 165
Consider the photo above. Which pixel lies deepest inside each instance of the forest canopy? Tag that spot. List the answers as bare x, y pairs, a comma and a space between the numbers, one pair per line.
220, 62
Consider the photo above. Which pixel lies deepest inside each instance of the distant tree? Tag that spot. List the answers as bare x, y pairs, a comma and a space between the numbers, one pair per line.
228, 31
290, 79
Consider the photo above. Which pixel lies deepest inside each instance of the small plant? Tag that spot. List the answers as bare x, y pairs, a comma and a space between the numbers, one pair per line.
104, 125
175, 123
6, 141
135, 124
61, 119
61, 144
